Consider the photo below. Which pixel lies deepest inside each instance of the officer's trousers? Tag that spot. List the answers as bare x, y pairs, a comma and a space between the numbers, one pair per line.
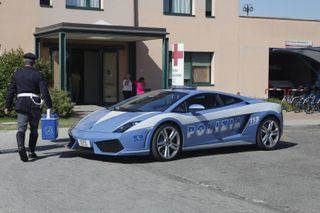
32, 118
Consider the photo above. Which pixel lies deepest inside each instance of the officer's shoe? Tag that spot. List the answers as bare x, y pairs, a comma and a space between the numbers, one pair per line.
23, 155
32, 155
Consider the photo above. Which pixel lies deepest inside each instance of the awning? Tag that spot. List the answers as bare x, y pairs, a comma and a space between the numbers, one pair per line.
312, 53
101, 32
64, 32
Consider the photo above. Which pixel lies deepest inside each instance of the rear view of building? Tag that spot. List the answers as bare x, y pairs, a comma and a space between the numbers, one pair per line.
93, 44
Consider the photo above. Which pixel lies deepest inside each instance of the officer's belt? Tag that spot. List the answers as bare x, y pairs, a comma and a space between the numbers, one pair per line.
30, 95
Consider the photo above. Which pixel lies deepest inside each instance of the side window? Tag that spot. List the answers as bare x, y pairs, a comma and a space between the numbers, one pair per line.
209, 101
182, 108
228, 100
45, 3
181, 7
84, 4
198, 68
210, 8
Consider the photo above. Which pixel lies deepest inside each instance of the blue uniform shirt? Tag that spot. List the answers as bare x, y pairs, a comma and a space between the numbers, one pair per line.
27, 80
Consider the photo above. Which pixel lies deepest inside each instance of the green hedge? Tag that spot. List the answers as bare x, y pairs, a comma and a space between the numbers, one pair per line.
12, 60
274, 100
62, 104
285, 106
45, 68
9, 62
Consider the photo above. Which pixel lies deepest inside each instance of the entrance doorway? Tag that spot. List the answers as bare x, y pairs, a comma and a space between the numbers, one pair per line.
93, 76
110, 77
91, 82
292, 68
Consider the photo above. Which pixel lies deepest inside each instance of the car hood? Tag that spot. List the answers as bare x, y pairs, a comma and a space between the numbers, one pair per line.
108, 121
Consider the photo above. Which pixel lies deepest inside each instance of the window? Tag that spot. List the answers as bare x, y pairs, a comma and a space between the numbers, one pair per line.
152, 101
45, 3
228, 100
85, 4
197, 68
181, 7
208, 100
210, 8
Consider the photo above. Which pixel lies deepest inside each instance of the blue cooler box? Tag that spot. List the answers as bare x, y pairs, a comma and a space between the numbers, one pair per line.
49, 127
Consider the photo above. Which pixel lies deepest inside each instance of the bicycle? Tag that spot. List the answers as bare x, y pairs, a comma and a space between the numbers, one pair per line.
288, 98
309, 104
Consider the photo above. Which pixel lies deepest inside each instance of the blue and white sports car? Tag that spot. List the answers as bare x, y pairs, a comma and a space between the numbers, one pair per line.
165, 122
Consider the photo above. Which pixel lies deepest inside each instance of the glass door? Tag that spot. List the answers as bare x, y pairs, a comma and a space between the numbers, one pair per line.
91, 77
110, 77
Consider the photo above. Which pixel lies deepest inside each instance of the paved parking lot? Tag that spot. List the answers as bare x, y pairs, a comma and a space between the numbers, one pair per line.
237, 179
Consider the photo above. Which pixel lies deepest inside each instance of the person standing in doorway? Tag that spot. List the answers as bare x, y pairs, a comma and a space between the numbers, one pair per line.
127, 87
28, 84
140, 85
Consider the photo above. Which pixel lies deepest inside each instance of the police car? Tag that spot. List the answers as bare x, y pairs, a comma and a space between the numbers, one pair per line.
164, 123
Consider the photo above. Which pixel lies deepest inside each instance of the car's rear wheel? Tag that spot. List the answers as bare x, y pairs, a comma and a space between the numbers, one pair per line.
166, 143
268, 134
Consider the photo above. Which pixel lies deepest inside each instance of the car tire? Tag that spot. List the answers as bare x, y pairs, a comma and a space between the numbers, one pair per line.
166, 142
268, 134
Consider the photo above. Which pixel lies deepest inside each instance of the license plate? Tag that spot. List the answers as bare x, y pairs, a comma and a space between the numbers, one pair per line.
84, 143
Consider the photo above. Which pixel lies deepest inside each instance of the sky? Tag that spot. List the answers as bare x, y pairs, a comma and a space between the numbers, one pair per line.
296, 9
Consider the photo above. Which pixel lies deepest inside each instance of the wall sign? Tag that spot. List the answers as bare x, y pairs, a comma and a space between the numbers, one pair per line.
178, 64
298, 43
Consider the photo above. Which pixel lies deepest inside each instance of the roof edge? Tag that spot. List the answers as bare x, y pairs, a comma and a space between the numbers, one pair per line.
110, 29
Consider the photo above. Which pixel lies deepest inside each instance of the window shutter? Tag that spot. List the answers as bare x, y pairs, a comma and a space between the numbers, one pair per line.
201, 59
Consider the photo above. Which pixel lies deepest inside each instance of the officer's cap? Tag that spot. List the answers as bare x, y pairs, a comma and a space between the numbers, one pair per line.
30, 56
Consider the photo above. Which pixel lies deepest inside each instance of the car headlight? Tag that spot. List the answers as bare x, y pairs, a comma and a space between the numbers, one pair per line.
126, 126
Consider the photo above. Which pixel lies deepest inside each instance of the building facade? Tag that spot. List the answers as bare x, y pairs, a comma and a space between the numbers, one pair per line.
93, 44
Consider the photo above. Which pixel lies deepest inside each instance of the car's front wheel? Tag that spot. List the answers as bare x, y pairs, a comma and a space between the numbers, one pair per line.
166, 143
268, 134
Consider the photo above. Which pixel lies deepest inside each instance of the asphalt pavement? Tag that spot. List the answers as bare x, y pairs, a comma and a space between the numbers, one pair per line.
233, 179
301, 119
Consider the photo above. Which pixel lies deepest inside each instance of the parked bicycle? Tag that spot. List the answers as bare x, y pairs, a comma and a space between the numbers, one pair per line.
309, 105
312, 103
289, 98
298, 102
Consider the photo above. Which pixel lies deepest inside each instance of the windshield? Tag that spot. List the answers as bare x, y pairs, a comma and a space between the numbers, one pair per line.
149, 102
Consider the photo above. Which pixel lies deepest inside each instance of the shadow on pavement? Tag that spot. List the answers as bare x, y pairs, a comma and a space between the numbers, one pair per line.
118, 159
60, 140
60, 144
286, 145
39, 148
141, 159
184, 155
233, 149
8, 151
63, 154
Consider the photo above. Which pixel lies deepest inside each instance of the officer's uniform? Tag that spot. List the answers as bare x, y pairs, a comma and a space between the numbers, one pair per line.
28, 83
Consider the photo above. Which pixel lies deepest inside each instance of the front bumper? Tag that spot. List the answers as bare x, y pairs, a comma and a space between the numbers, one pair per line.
112, 144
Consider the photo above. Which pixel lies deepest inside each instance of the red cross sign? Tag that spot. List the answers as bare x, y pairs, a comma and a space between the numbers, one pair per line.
177, 64
176, 54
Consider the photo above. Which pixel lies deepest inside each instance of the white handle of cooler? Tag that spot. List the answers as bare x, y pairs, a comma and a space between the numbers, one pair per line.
48, 113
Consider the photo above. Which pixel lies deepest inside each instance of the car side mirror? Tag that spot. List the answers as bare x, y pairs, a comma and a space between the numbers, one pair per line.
196, 107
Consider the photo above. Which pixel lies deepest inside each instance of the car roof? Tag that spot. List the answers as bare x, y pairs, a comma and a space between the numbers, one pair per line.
194, 91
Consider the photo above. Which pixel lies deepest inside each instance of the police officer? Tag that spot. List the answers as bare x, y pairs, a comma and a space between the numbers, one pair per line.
28, 84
